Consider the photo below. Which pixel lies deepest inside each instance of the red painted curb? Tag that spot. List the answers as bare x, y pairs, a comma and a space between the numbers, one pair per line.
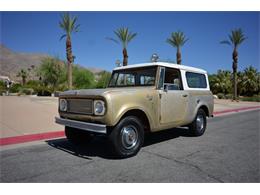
30, 138
235, 110
56, 134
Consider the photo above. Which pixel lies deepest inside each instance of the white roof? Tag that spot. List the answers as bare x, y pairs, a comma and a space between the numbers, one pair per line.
165, 64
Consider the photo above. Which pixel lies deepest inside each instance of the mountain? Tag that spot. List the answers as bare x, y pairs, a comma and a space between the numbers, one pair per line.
11, 62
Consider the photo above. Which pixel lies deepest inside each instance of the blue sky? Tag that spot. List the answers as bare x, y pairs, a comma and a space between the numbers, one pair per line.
38, 32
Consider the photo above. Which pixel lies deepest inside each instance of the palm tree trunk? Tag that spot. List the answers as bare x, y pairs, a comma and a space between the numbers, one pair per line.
125, 60
69, 60
234, 66
23, 80
178, 55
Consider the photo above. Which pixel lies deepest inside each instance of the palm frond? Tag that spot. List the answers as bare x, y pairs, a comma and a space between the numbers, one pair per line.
112, 39
68, 24
236, 37
177, 39
131, 36
225, 42
63, 36
123, 35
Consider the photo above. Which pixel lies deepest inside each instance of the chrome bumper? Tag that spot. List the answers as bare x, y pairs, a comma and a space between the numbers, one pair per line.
93, 127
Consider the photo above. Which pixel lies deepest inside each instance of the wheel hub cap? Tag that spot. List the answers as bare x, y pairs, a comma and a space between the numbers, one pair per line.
200, 122
129, 137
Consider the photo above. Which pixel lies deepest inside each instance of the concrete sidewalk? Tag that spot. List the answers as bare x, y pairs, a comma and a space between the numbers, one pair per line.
27, 115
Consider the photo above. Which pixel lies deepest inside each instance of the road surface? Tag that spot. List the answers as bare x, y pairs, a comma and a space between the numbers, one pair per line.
228, 152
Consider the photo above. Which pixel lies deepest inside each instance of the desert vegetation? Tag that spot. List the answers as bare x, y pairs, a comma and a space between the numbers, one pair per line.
51, 77
248, 84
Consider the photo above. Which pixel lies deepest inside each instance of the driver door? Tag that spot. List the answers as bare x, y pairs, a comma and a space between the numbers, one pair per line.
173, 99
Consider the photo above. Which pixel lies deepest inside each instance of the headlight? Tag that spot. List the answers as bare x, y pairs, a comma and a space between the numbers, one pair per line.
63, 105
99, 107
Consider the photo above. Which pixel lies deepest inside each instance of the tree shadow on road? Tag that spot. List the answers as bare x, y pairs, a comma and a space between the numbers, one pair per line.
100, 147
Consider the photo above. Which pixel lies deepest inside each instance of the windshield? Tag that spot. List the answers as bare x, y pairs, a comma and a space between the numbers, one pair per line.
133, 77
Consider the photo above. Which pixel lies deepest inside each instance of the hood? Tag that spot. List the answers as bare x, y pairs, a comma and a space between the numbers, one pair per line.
100, 92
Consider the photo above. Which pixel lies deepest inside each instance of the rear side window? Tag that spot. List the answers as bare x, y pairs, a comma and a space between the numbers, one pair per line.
196, 80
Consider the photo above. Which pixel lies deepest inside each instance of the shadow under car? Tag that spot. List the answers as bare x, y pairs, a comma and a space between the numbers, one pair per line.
99, 145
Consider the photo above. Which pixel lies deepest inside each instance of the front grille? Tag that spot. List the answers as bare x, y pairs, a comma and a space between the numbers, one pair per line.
80, 106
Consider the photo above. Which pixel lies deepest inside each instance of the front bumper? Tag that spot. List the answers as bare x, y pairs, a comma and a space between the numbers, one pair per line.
92, 127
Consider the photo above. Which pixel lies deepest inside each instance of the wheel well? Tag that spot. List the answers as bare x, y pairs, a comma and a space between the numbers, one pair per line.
141, 115
205, 109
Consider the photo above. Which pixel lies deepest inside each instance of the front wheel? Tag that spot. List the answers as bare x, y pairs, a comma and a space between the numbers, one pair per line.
127, 137
199, 124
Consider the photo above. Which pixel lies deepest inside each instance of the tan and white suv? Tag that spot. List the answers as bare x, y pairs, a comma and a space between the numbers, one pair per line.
139, 98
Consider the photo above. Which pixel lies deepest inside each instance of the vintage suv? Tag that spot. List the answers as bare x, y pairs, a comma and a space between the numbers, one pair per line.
139, 98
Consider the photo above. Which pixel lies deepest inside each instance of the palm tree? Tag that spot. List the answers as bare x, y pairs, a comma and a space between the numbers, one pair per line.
123, 36
236, 38
177, 39
69, 26
23, 74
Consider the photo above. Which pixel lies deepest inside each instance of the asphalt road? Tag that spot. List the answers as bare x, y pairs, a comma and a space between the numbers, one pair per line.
228, 152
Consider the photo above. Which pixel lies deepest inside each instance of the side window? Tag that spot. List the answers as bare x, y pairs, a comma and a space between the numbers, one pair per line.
172, 79
196, 80
146, 80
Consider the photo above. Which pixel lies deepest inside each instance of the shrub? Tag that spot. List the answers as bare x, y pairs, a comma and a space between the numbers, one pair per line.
33, 84
26, 91
15, 88
2, 87
52, 72
82, 78
43, 91
103, 80
221, 96
228, 96
2, 84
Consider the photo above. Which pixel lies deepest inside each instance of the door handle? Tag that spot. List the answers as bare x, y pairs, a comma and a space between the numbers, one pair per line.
185, 95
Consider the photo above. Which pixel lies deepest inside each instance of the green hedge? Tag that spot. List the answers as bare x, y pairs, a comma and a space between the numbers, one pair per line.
255, 98
26, 91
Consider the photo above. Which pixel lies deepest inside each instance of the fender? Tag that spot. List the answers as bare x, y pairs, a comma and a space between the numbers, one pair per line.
124, 110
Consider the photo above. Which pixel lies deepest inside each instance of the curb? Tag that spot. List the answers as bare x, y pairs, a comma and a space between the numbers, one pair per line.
51, 135
30, 138
219, 113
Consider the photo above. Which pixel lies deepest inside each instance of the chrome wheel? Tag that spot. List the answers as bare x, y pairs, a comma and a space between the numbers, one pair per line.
129, 136
200, 122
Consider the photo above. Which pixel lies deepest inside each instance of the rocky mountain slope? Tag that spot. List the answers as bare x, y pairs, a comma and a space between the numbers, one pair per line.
11, 62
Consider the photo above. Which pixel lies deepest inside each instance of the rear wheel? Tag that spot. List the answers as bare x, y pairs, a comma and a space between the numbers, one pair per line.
198, 126
127, 137
77, 136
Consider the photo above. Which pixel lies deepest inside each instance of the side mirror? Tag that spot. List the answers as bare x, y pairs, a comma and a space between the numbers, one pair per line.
165, 88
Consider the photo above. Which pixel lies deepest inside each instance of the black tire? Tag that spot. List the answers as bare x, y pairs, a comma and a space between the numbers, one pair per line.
127, 137
77, 136
198, 127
